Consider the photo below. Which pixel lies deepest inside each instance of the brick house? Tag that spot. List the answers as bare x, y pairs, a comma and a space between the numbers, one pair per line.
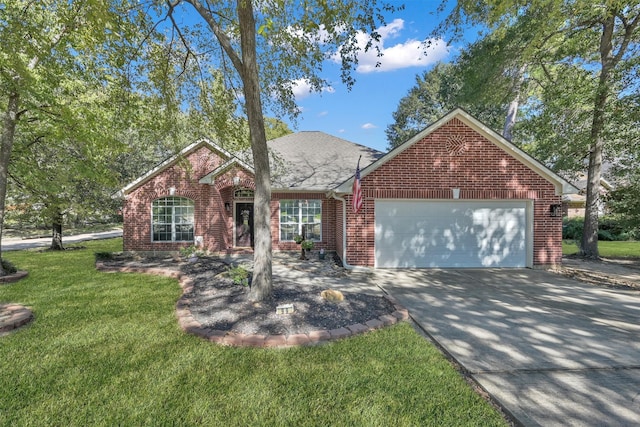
455, 195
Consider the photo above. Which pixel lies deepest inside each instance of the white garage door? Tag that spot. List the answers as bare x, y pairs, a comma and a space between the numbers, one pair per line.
477, 234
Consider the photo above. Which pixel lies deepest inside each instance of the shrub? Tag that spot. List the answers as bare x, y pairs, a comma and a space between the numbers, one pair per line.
190, 251
102, 256
8, 267
610, 228
572, 228
239, 275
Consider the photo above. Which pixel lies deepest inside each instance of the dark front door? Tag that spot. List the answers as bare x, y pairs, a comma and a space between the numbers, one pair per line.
244, 225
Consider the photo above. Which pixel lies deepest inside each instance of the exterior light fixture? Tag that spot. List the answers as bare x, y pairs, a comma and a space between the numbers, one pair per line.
227, 206
555, 210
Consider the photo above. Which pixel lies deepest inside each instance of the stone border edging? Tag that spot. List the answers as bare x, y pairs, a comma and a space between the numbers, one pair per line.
17, 316
190, 325
12, 278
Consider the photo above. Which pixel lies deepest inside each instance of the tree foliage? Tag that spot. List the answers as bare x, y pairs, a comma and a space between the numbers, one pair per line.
435, 93
262, 53
582, 57
56, 59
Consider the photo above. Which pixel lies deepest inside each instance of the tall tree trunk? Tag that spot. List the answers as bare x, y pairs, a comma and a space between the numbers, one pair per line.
247, 66
589, 247
261, 286
6, 145
56, 237
512, 110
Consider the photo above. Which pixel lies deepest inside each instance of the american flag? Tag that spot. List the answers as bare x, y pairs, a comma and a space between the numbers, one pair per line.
356, 202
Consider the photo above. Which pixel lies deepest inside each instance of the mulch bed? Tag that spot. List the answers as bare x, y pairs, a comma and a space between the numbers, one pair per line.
217, 303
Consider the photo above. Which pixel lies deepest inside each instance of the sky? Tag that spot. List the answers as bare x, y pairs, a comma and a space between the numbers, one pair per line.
363, 114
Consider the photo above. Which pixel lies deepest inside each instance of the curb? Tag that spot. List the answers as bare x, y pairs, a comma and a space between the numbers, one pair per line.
190, 325
12, 278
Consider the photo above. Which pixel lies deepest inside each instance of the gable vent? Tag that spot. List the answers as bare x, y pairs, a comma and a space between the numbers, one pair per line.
456, 145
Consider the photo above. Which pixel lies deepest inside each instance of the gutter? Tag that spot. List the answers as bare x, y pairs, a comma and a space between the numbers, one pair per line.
345, 264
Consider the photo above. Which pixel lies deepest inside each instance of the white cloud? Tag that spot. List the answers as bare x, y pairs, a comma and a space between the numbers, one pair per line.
369, 126
410, 53
341, 130
323, 113
302, 88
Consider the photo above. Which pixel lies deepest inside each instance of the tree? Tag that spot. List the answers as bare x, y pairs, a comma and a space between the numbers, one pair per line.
43, 44
600, 38
435, 93
293, 40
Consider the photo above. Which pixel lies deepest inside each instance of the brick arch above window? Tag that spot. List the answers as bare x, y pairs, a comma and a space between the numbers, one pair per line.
224, 182
166, 192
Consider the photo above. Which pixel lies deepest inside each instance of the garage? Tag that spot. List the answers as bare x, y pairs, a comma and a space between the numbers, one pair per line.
453, 233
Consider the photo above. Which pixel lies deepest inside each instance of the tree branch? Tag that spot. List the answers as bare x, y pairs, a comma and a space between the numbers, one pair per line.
628, 34
223, 39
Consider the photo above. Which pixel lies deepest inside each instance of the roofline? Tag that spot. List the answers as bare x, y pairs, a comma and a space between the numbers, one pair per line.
170, 161
561, 185
208, 178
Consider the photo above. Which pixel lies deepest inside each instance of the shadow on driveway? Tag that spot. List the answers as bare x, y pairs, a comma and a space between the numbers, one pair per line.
551, 350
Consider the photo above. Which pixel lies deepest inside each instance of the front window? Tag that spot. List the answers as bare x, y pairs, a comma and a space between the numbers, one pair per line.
297, 216
172, 220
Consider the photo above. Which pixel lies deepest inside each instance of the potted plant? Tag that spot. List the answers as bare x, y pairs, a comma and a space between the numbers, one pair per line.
307, 245
298, 239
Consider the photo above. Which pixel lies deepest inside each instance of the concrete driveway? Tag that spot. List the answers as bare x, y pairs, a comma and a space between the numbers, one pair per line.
551, 350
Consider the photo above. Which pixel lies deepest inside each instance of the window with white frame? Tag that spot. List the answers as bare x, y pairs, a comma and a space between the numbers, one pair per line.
299, 215
172, 220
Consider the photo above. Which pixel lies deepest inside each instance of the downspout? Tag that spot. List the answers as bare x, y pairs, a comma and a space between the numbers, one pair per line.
345, 264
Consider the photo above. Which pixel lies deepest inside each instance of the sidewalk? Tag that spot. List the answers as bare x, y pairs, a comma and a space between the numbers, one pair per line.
613, 272
17, 243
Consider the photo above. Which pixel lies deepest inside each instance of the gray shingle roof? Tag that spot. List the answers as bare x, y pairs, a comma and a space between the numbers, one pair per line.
315, 161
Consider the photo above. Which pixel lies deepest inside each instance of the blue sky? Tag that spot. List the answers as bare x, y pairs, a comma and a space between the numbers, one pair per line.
362, 114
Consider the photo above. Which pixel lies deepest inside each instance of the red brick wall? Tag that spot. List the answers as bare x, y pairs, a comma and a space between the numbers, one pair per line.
212, 220
209, 214
455, 156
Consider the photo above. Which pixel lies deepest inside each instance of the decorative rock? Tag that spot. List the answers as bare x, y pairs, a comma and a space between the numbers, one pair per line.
331, 295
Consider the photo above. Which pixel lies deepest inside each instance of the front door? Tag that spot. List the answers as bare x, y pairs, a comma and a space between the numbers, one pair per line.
244, 225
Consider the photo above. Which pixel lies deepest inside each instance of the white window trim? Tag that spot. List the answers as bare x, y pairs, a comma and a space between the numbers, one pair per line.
300, 224
173, 222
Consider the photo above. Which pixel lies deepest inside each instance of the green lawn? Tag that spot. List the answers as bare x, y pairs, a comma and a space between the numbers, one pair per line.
627, 249
105, 349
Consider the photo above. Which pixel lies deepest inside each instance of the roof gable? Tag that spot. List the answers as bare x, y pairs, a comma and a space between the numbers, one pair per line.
234, 161
171, 161
561, 185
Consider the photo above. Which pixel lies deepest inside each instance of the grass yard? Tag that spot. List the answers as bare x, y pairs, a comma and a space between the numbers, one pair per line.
105, 349
627, 249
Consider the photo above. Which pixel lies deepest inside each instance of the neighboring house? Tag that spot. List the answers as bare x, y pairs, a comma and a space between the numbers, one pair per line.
455, 195
573, 205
